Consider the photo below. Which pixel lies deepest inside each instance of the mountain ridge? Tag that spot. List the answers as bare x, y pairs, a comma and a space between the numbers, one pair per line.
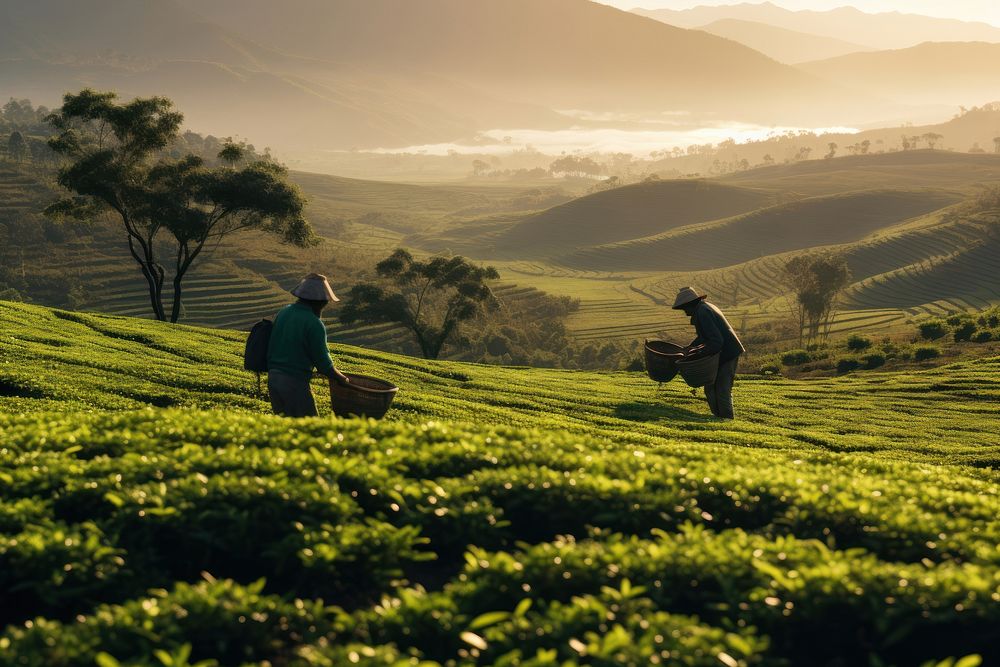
784, 45
883, 30
385, 74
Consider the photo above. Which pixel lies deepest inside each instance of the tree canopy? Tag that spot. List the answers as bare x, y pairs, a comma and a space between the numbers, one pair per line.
429, 298
118, 161
816, 280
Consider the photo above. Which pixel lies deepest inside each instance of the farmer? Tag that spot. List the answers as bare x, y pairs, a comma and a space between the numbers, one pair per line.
715, 335
297, 345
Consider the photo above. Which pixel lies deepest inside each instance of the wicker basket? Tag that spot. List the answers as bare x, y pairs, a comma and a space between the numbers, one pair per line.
700, 371
661, 360
363, 397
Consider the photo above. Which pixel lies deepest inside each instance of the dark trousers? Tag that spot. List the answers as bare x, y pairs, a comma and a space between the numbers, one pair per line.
720, 394
290, 396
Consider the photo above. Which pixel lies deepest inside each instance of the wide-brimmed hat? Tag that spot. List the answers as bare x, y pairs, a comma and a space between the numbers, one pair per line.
315, 287
686, 296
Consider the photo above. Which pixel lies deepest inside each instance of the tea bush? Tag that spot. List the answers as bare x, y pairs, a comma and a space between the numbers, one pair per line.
848, 364
964, 331
795, 358
856, 343
926, 352
150, 508
933, 329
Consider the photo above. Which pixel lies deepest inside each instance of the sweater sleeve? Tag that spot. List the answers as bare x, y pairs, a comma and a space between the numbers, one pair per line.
319, 351
709, 331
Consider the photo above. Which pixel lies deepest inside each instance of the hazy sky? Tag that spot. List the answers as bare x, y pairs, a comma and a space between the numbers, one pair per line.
968, 10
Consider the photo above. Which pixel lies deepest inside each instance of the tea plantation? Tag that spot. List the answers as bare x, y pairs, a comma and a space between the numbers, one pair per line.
153, 513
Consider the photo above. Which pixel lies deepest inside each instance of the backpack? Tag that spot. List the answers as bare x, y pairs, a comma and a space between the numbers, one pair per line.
255, 354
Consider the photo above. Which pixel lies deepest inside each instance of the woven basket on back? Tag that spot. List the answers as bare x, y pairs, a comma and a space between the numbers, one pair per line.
700, 371
661, 360
363, 397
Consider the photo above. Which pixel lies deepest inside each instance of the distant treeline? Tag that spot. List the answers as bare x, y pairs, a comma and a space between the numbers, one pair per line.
24, 134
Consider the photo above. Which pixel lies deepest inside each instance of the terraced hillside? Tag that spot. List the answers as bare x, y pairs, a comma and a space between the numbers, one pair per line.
800, 225
912, 247
500, 516
625, 213
246, 277
935, 169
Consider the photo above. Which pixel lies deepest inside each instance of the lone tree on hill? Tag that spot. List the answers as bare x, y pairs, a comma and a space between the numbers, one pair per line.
432, 299
116, 164
817, 280
996, 144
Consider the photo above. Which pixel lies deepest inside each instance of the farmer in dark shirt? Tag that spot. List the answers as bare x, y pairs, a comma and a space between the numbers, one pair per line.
297, 345
715, 336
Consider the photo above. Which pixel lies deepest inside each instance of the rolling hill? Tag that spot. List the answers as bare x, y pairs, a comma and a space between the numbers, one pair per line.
785, 46
899, 169
924, 74
879, 30
151, 512
625, 213
897, 237
804, 224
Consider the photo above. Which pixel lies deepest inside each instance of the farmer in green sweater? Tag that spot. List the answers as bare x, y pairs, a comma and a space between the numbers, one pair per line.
715, 336
297, 346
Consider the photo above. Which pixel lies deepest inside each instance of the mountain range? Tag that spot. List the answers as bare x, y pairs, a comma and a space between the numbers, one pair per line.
368, 74
884, 30
782, 44
350, 73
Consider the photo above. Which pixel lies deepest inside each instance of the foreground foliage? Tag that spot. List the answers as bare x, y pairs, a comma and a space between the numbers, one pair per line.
150, 514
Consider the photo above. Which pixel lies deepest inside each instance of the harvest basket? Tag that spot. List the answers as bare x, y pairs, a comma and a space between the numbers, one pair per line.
661, 360
363, 397
700, 371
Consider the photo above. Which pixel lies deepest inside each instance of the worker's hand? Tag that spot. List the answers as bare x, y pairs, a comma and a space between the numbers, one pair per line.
341, 379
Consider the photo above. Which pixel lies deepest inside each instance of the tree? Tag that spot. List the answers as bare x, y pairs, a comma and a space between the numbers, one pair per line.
581, 166
479, 167
996, 144
865, 146
429, 298
833, 150
932, 138
817, 281
117, 165
17, 147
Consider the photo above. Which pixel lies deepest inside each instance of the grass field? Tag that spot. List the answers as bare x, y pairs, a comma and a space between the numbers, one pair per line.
499, 516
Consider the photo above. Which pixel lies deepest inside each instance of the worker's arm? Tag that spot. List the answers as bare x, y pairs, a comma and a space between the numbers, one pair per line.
319, 353
711, 335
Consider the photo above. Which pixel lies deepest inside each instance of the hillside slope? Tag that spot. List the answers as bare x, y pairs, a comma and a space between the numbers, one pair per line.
588, 494
530, 66
389, 73
929, 73
800, 225
626, 213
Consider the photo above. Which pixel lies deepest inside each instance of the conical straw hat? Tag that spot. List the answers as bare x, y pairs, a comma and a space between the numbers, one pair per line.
315, 287
686, 296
